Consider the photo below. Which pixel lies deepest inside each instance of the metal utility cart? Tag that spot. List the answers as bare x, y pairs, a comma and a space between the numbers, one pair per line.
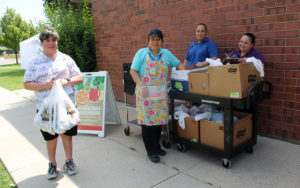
256, 94
129, 89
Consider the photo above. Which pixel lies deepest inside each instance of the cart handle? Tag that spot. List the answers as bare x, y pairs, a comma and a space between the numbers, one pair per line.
259, 93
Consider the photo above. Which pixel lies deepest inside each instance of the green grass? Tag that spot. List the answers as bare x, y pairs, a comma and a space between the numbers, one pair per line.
9, 56
5, 180
11, 77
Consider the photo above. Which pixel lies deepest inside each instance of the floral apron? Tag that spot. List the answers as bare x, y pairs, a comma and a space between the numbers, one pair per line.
153, 112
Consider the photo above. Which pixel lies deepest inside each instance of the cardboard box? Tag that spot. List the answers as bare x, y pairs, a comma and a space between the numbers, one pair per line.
191, 131
232, 81
229, 81
198, 82
212, 133
180, 79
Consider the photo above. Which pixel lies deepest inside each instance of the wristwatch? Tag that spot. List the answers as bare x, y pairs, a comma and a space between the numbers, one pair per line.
69, 81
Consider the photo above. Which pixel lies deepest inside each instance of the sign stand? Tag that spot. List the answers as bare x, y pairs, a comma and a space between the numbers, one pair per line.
96, 103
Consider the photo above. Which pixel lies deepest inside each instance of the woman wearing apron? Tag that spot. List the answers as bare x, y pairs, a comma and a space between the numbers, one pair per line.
149, 70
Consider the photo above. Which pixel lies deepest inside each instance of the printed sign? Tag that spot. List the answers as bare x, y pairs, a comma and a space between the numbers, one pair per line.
90, 99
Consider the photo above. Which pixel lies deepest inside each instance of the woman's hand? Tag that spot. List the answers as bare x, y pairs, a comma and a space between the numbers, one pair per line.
144, 92
201, 64
64, 82
243, 60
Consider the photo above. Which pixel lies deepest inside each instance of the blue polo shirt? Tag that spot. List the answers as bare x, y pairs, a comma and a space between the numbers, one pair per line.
199, 52
139, 60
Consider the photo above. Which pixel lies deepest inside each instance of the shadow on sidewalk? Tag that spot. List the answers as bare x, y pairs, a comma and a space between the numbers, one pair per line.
120, 161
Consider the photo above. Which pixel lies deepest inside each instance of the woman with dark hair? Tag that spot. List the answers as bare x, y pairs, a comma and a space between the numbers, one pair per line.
200, 49
246, 49
149, 70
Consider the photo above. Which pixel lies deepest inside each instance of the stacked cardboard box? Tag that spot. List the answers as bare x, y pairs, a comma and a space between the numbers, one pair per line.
191, 130
212, 133
229, 81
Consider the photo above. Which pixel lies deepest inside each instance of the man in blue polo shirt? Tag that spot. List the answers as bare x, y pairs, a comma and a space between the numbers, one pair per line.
201, 49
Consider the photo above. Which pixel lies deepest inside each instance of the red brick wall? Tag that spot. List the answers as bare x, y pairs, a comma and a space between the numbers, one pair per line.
121, 28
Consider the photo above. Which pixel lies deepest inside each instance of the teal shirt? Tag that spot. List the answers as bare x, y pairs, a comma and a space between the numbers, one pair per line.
139, 60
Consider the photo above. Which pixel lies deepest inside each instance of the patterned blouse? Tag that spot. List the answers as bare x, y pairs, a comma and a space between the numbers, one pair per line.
42, 68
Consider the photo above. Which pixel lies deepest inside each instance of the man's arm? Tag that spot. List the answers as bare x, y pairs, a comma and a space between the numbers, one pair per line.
180, 66
185, 62
33, 86
198, 65
75, 80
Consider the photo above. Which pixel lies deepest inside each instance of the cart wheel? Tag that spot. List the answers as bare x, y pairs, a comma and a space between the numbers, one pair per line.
250, 150
127, 131
226, 163
166, 143
181, 147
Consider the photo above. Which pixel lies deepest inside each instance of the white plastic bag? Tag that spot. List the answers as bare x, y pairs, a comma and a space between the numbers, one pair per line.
257, 64
179, 74
205, 115
44, 119
193, 110
206, 108
59, 107
214, 62
181, 113
218, 117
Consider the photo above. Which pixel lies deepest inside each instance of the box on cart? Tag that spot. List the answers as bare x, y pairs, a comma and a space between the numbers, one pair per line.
212, 133
180, 79
198, 82
230, 81
191, 131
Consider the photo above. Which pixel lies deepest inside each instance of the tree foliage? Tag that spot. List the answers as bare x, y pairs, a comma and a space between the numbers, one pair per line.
14, 30
1, 39
38, 25
76, 31
59, 3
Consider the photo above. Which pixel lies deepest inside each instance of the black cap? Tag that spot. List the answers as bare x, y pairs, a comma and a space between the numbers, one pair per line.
156, 32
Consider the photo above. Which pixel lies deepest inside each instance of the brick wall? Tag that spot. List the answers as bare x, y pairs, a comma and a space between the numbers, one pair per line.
121, 28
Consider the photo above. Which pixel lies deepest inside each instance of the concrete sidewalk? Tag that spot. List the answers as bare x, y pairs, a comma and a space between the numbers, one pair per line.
120, 161
8, 61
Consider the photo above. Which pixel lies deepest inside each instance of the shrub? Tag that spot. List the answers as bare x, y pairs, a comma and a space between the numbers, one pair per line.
76, 32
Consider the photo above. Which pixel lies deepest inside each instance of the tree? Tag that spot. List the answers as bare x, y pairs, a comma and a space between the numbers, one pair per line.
14, 30
1, 39
38, 25
66, 3
74, 25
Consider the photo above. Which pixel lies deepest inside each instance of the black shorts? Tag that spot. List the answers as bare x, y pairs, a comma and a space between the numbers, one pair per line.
47, 136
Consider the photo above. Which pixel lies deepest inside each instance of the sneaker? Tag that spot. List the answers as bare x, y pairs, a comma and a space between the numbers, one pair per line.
70, 168
52, 172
